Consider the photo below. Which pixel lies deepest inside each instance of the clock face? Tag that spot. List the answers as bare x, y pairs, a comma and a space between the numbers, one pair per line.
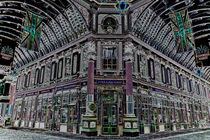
109, 25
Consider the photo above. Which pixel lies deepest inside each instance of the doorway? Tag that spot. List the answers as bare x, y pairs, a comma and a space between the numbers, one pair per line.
109, 119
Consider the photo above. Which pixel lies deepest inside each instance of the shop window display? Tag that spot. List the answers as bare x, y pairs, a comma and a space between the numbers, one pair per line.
39, 108
57, 111
49, 113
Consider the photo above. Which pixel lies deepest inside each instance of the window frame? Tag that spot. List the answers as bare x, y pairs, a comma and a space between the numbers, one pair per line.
60, 70
112, 64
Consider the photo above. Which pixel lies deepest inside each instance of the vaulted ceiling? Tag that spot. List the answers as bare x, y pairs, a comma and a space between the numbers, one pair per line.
65, 21
153, 27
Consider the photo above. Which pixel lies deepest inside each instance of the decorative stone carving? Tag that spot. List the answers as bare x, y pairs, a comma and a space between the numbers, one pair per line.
90, 50
129, 51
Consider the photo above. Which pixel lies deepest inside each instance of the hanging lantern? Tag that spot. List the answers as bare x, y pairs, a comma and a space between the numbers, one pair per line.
198, 71
122, 6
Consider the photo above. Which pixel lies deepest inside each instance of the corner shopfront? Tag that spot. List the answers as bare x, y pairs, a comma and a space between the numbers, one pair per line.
62, 108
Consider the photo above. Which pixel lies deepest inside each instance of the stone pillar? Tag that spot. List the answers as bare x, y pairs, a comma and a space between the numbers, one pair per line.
130, 120
129, 89
89, 120
90, 87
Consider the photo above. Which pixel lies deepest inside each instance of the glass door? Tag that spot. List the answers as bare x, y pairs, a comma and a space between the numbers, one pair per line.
109, 119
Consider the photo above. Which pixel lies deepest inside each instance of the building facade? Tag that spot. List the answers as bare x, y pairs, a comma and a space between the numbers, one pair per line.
7, 89
110, 82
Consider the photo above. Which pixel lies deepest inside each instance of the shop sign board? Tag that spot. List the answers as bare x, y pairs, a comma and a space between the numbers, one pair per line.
66, 87
109, 82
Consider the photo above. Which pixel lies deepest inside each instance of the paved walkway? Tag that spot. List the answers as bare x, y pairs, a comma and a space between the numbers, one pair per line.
9, 134
37, 134
203, 135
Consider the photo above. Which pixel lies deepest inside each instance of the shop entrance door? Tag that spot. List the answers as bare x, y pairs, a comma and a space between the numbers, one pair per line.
109, 119
71, 113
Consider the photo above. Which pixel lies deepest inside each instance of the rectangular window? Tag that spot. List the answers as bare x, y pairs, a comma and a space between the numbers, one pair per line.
163, 73
109, 58
60, 68
6, 89
17, 83
29, 79
169, 76
151, 68
188, 84
67, 66
53, 71
42, 74
26, 80
204, 90
181, 81
177, 80
22, 81
139, 63
198, 88
36, 80
75, 63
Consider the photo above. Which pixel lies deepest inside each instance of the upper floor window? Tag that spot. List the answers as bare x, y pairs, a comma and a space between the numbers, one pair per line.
42, 74
37, 76
204, 92
17, 83
53, 71
60, 68
189, 84
25, 80
109, 57
29, 79
75, 63
198, 89
163, 73
168, 73
179, 81
151, 68
139, 62
67, 65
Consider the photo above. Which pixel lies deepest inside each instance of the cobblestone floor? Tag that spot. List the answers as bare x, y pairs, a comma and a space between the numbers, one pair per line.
203, 135
8, 134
